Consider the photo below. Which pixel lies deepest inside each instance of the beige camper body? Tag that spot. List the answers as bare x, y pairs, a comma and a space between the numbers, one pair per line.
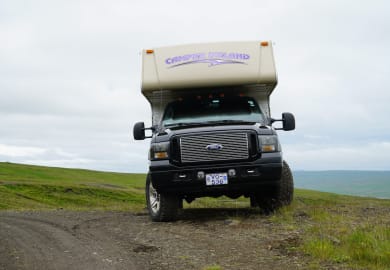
170, 73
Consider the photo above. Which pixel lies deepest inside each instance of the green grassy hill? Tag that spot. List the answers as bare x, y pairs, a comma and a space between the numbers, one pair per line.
24, 187
352, 232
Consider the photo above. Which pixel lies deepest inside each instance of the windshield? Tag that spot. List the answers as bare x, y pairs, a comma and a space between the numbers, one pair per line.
198, 111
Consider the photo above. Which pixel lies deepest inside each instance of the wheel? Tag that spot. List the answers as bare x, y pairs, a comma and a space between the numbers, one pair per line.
161, 207
278, 196
286, 187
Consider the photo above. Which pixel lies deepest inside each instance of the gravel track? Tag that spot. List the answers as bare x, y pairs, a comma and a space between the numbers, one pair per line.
230, 238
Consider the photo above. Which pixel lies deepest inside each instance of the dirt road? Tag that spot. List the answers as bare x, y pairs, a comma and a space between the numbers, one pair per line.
229, 238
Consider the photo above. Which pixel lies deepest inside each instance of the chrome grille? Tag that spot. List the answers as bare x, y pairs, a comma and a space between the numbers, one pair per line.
194, 148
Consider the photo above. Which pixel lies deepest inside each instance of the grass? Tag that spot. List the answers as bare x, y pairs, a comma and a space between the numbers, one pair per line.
29, 174
339, 229
33, 196
349, 231
27, 187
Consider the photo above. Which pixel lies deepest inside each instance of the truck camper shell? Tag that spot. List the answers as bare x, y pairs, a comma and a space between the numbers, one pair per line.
231, 68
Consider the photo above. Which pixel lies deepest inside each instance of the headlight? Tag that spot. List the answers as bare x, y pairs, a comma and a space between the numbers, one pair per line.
159, 150
269, 143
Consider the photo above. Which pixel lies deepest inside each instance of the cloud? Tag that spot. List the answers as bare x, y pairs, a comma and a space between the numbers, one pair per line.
19, 151
70, 75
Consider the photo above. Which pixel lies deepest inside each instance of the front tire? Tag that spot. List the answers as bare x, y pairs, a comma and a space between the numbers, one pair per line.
161, 207
278, 196
286, 187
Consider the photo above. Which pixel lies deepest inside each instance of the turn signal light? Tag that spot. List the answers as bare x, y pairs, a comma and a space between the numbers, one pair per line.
149, 51
264, 43
160, 155
268, 148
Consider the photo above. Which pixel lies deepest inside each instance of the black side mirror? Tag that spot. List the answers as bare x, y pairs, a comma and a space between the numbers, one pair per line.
288, 120
139, 131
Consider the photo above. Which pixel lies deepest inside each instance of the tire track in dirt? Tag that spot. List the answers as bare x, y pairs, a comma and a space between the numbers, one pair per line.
34, 243
119, 240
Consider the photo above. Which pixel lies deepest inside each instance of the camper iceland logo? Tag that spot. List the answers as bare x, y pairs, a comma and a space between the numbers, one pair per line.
211, 58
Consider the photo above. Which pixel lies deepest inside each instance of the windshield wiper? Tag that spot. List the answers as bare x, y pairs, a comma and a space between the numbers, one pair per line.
208, 123
173, 125
230, 122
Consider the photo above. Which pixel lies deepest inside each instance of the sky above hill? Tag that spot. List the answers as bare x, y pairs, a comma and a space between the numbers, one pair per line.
70, 76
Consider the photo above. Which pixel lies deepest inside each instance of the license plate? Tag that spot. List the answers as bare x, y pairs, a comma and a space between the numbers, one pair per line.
214, 179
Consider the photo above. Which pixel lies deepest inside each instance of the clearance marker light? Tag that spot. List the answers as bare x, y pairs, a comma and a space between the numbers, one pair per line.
264, 43
149, 51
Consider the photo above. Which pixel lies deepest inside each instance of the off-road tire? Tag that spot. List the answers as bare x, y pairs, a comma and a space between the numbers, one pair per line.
168, 205
275, 197
286, 187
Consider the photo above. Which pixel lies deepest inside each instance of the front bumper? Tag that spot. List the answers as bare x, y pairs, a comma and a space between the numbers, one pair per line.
250, 176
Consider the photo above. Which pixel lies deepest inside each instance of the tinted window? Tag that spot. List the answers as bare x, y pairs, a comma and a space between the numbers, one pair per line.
215, 109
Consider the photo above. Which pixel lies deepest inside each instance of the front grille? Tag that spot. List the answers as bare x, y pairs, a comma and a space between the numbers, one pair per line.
194, 148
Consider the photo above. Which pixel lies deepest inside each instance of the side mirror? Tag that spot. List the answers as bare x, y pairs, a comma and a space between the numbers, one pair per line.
288, 120
139, 131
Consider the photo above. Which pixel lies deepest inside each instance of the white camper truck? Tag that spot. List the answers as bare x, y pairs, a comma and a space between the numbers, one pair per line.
212, 131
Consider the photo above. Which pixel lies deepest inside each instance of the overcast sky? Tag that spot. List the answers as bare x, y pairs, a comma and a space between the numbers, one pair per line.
70, 76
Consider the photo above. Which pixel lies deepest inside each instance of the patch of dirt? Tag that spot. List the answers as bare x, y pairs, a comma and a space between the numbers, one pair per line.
287, 244
144, 248
103, 185
230, 238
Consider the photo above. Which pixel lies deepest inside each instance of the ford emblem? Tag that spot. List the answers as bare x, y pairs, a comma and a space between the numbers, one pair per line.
214, 147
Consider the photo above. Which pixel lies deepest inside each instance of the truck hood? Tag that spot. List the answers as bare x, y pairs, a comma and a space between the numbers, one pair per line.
168, 133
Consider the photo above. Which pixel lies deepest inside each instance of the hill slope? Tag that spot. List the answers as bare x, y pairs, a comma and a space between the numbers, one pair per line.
37, 187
